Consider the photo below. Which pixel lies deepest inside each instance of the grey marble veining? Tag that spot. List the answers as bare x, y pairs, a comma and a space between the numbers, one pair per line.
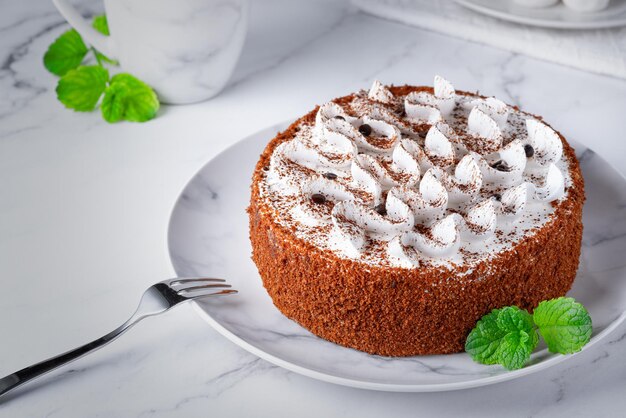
85, 207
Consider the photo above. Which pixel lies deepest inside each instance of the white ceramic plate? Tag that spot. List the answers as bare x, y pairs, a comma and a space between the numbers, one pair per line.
208, 235
558, 16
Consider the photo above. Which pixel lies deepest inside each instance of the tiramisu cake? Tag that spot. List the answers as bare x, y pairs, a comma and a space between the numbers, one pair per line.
391, 220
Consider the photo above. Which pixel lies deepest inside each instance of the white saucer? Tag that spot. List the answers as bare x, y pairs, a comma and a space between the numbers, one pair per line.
208, 235
558, 16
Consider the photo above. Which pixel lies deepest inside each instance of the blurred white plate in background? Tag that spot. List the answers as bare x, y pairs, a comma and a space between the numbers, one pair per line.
558, 16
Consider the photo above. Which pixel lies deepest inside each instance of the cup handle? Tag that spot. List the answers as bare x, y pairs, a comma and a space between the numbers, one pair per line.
102, 43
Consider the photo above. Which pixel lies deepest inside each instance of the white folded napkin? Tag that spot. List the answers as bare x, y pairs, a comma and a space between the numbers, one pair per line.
601, 51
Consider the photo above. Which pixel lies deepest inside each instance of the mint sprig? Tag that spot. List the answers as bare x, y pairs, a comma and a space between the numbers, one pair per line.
508, 336
81, 87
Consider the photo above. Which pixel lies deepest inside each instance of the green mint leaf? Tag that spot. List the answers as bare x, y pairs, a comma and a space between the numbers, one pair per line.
81, 88
520, 340
564, 324
114, 103
100, 24
505, 336
512, 318
484, 340
515, 348
65, 53
128, 98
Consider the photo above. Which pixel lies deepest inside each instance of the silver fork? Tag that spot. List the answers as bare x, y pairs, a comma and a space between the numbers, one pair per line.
157, 299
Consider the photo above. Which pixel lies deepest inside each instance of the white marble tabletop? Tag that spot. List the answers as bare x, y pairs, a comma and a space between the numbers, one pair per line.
85, 206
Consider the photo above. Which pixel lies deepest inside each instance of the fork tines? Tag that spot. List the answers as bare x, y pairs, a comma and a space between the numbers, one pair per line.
200, 286
176, 282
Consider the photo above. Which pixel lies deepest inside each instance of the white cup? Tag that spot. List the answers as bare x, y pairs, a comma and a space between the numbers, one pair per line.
185, 49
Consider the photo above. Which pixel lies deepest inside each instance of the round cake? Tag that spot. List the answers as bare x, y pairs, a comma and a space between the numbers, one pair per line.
391, 220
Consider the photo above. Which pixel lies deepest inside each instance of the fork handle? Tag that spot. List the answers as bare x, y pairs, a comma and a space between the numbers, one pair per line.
20, 377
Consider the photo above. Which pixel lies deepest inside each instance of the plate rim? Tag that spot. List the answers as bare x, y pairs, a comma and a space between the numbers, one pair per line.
395, 387
356, 383
550, 24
